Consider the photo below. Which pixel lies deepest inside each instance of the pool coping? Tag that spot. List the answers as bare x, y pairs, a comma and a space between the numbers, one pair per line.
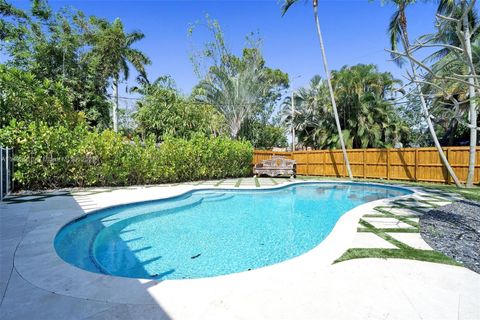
37, 262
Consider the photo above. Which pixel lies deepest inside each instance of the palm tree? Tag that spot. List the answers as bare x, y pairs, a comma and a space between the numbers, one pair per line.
113, 51
461, 34
235, 95
365, 108
286, 5
398, 32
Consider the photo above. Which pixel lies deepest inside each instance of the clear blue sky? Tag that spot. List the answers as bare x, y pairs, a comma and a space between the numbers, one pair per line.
354, 32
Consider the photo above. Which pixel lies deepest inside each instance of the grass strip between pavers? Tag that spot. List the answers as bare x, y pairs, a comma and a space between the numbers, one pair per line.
257, 183
374, 215
384, 235
274, 181
404, 206
400, 218
411, 254
403, 252
411, 200
436, 198
239, 181
389, 230
219, 183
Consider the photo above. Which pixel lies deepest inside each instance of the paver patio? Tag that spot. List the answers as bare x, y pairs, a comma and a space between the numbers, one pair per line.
354, 289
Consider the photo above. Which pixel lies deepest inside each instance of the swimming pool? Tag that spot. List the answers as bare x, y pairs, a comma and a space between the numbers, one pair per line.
211, 232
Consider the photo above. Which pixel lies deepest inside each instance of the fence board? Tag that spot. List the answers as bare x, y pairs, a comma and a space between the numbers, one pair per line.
409, 164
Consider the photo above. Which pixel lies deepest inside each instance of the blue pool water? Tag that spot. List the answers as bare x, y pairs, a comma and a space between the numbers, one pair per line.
211, 232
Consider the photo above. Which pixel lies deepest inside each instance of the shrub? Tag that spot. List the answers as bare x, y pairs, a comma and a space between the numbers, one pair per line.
53, 157
25, 98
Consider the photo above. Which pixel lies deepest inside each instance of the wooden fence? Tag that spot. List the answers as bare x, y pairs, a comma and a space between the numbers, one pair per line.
412, 164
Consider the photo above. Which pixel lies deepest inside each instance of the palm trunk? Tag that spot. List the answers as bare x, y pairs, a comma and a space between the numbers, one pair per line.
115, 105
330, 88
426, 113
473, 105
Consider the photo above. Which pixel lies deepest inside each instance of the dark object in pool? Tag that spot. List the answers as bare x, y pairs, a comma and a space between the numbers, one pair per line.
196, 256
154, 275
249, 269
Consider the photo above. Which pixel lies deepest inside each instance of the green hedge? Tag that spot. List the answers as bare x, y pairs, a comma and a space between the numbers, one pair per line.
53, 157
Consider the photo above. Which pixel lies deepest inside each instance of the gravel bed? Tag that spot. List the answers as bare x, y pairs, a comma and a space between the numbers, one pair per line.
454, 230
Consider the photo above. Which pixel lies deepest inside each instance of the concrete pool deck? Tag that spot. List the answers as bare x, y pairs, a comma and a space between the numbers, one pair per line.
36, 284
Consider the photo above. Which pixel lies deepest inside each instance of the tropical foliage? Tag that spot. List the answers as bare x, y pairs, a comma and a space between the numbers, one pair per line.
54, 46
240, 88
53, 157
26, 98
113, 47
365, 107
165, 112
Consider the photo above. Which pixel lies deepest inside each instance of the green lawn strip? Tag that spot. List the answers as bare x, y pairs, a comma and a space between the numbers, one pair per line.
384, 235
412, 254
219, 183
402, 206
433, 198
390, 230
257, 183
414, 208
374, 215
427, 202
400, 218
239, 182
274, 181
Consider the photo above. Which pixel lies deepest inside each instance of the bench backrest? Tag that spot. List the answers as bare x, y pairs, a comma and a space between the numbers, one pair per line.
279, 162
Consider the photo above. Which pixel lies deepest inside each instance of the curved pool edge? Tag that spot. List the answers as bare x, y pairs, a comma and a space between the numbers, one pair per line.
53, 274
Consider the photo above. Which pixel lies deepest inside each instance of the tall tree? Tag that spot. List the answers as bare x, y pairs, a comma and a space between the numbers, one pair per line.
462, 20
112, 47
398, 33
365, 107
286, 5
52, 45
242, 88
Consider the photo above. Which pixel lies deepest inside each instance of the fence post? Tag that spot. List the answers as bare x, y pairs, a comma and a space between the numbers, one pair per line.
388, 164
7, 172
364, 163
324, 162
416, 164
308, 163
1, 173
448, 159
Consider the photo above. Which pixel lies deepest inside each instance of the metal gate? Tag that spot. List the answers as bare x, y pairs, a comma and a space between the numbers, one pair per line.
6, 171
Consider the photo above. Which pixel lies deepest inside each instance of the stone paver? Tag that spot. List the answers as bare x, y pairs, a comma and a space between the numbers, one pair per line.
413, 240
387, 223
402, 211
370, 240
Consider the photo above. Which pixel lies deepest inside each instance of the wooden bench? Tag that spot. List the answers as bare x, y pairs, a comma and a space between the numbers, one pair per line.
277, 166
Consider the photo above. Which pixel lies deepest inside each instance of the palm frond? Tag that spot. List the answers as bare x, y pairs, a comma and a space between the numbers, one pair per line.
286, 5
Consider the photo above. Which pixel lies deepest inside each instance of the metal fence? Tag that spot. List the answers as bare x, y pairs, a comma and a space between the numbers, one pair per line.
6, 171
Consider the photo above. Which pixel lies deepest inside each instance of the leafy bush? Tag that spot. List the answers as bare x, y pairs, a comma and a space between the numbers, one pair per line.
53, 157
164, 112
25, 98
